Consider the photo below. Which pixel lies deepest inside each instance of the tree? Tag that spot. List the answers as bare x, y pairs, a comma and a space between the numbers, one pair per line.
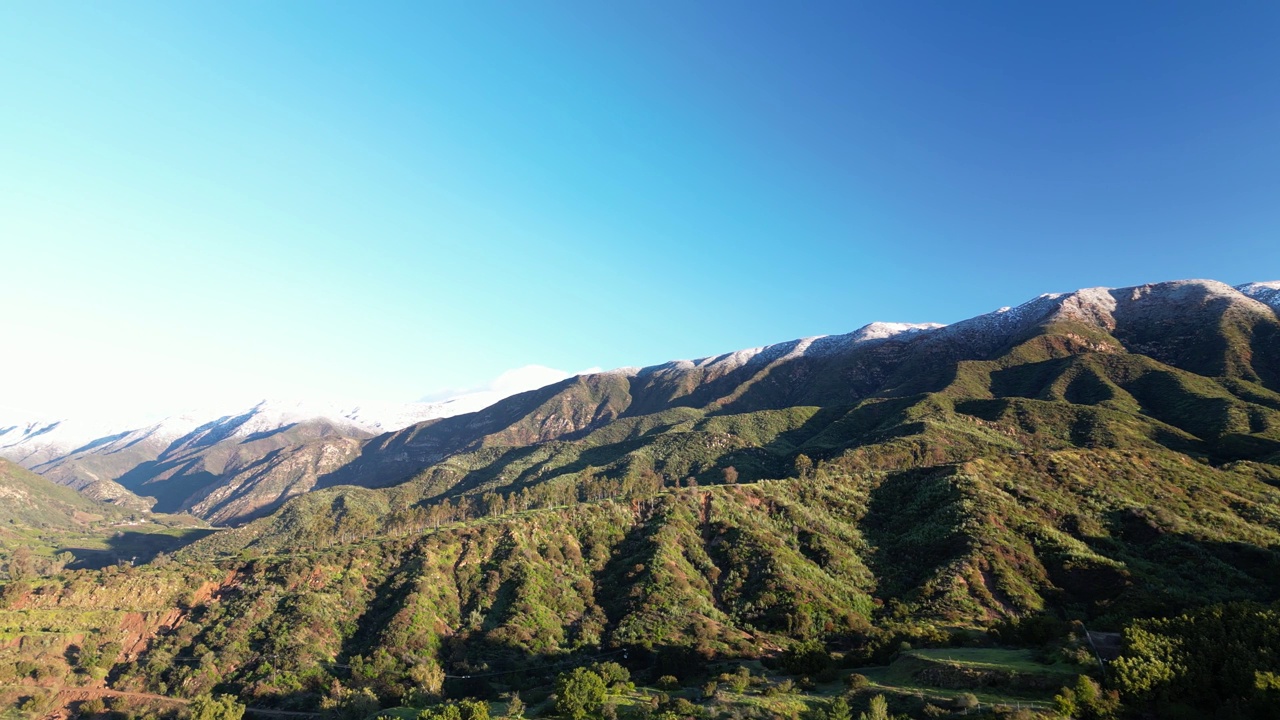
1064, 703
346, 704
515, 707
579, 694
60, 562
730, 475
879, 709
208, 707
840, 710
857, 681
474, 709
444, 712
966, 701
21, 563
429, 677
612, 673
804, 466
807, 658
1086, 701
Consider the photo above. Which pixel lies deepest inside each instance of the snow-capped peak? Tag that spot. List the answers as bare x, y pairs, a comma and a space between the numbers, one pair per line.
32, 442
810, 347
21, 435
883, 330
1264, 292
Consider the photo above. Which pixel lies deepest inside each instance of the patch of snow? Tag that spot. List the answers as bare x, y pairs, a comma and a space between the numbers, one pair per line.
811, 347
1181, 290
38, 442
1267, 293
884, 330
26, 437
1003, 321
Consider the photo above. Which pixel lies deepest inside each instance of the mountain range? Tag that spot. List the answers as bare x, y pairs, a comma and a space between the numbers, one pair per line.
220, 466
1102, 456
229, 468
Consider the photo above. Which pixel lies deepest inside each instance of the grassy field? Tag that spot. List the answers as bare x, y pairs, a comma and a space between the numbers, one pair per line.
1018, 661
1003, 677
945, 696
136, 543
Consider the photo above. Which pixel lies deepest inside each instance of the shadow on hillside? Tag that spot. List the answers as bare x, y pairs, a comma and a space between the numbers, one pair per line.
913, 525
170, 494
395, 457
389, 599
487, 669
1165, 572
917, 524
133, 547
479, 667
773, 459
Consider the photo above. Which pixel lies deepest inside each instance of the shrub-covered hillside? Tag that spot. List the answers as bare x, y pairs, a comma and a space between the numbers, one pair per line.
1040, 480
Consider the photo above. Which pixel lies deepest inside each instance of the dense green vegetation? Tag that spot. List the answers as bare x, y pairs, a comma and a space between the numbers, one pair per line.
45, 527
749, 544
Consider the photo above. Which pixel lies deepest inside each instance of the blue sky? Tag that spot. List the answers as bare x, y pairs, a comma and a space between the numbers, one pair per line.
383, 200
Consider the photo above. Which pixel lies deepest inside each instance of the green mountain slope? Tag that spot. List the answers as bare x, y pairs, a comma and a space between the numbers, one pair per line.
1101, 456
30, 501
49, 526
1203, 328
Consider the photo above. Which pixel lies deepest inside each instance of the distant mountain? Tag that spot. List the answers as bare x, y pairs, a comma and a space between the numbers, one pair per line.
55, 526
1266, 292
236, 467
222, 467
31, 502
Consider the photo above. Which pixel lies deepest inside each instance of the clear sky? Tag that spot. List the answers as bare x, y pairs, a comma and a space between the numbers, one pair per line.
380, 201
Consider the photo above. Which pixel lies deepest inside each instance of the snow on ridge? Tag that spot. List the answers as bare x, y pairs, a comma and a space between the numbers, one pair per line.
1178, 296
1179, 289
25, 436
1005, 318
824, 345
815, 346
374, 418
734, 359
36, 441
1098, 304
380, 418
1267, 292
884, 330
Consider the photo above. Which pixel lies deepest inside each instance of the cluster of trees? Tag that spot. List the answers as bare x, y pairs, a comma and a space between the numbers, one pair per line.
219, 707
1087, 701
586, 487
23, 564
467, 709
1219, 661
591, 485
93, 658
581, 692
